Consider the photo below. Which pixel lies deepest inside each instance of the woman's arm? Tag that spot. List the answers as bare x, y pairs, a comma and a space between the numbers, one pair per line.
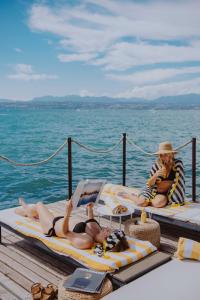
90, 212
68, 211
160, 172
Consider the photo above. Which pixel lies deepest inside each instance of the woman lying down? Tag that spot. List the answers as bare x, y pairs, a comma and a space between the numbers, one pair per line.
83, 235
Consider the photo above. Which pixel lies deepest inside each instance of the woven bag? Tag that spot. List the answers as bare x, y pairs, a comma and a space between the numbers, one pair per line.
64, 294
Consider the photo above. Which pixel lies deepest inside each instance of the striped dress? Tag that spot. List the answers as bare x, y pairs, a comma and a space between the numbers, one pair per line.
176, 193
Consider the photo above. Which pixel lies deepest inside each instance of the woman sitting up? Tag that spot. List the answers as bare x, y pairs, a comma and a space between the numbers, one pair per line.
83, 235
166, 184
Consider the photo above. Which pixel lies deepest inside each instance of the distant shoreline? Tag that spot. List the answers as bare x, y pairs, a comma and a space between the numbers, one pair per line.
181, 102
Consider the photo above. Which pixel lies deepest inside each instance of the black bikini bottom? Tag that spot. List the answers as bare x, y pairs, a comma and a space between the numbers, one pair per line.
80, 227
51, 231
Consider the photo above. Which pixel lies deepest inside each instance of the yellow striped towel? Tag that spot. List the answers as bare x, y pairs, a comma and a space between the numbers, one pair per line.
110, 262
188, 249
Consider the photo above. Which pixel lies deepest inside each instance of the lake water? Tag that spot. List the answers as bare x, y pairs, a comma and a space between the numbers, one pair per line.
31, 135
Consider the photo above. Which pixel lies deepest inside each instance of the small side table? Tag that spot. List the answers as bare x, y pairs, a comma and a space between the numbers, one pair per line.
64, 294
149, 231
103, 211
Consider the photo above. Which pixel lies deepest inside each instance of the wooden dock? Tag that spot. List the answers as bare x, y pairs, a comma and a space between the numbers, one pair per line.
22, 264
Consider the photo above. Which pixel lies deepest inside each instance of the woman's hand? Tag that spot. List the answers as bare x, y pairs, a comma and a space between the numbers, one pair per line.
90, 205
162, 172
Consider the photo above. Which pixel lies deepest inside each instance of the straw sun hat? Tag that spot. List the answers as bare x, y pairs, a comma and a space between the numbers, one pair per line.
165, 148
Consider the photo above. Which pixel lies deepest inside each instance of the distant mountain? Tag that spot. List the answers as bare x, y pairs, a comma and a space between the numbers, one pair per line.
191, 101
85, 99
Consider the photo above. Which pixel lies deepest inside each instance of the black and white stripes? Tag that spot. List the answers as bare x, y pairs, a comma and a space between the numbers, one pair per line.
176, 193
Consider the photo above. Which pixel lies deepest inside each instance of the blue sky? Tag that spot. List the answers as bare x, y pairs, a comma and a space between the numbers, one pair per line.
144, 49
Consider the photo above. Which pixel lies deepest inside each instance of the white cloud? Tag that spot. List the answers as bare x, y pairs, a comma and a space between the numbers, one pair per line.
165, 89
25, 72
89, 34
75, 57
19, 50
120, 35
154, 75
123, 55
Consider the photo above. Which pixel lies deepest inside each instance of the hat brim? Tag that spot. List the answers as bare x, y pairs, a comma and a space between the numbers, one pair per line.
166, 152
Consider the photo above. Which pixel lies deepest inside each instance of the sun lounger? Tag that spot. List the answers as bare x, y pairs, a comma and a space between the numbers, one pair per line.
62, 249
110, 262
174, 280
177, 220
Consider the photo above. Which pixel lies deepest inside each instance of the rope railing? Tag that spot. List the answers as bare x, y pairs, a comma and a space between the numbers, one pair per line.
13, 162
124, 140
153, 153
97, 151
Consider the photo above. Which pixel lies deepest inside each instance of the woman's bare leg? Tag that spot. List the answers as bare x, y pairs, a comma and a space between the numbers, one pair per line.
140, 200
38, 211
159, 201
45, 217
26, 210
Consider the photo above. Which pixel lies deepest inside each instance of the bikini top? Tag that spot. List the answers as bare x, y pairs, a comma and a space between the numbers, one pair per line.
171, 175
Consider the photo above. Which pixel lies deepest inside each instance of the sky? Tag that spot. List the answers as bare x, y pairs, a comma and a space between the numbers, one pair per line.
117, 48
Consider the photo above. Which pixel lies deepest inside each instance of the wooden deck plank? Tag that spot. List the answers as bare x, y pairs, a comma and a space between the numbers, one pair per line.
27, 264
15, 276
25, 271
34, 255
45, 260
17, 291
5, 295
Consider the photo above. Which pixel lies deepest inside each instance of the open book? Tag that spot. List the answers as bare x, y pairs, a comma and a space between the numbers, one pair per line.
87, 191
85, 280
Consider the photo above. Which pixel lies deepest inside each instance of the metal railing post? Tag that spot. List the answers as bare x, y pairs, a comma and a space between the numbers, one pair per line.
194, 169
69, 167
124, 160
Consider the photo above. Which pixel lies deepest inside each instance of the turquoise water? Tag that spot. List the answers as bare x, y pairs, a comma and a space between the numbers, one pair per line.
31, 135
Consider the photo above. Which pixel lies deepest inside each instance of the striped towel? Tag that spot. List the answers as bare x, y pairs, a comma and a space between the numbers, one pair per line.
188, 249
110, 262
115, 195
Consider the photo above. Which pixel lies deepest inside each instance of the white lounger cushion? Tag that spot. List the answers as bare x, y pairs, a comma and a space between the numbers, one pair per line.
173, 281
190, 212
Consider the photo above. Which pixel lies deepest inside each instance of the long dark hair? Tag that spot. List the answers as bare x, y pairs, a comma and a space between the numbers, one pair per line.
122, 245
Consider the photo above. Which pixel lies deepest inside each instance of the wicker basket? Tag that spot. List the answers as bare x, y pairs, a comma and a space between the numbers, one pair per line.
149, 231
64, 294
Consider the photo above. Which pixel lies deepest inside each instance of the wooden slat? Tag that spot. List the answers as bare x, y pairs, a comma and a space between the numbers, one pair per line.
27, 263
61, 268
25, 271
15, 276
16, 290
5, 295
23, 248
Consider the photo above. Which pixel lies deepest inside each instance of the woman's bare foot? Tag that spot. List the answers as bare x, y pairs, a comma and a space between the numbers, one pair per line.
27, 211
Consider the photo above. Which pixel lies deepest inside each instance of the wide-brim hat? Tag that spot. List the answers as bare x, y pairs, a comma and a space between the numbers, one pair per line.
165, 148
